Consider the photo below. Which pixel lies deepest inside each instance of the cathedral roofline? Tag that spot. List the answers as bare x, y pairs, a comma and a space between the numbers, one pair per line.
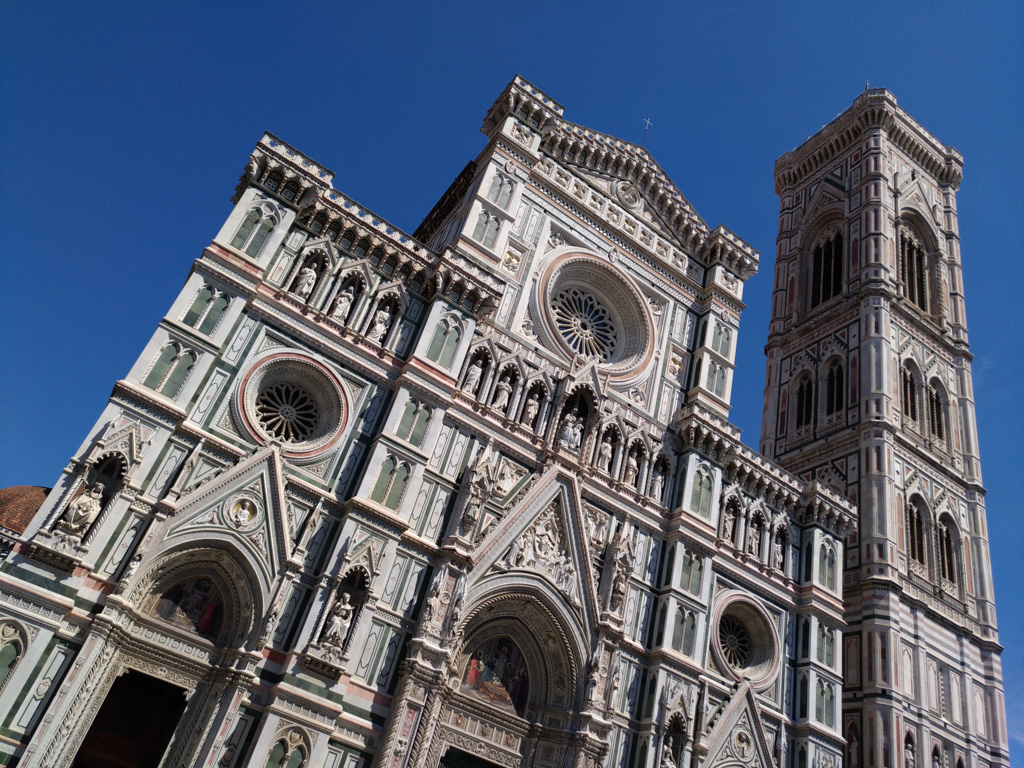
875, 109
575, 144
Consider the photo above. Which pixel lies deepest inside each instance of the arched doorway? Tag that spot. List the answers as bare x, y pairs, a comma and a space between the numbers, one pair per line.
134, 725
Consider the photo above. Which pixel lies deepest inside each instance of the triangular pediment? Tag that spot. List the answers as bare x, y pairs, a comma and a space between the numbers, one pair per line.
631, 198
737, 736
545, 535
244, 505
825, 197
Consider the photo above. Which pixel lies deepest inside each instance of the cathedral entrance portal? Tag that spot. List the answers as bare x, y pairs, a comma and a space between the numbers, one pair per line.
134, 725
456, 758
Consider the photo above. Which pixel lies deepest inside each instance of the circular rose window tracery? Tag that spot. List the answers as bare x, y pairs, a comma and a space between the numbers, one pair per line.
586, 307
287, 411
292, 400
745, 641
585, 324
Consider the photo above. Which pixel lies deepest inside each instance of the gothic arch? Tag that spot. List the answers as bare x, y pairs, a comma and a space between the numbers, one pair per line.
227, 570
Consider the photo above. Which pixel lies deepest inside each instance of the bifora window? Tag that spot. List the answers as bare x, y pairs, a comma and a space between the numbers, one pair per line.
827, 269
913, 271
585, 324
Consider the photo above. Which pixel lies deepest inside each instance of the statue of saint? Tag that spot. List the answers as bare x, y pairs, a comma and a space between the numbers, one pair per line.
473, 377
381, 321
338, 625
82, 511
530, 410
343, 305
307, 279
631, 470
778, 553
604, 454
501, 394
658, 484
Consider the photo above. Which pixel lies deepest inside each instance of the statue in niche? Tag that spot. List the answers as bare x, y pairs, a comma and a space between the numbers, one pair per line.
613, 689
623, 554
604, 454
936, 761
473, 377
306, 281
343, 305
908, 756
501, 395
338, 624
571, 435
531, 409
81, 513
667, 761
730, 525
381, 321
658, 483
755, 539
778, 553
631, 470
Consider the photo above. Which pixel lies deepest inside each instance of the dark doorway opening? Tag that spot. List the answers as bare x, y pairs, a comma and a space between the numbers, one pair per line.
456, 758
134, 725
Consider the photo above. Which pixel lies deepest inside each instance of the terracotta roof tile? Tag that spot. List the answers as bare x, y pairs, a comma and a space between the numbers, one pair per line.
18, 504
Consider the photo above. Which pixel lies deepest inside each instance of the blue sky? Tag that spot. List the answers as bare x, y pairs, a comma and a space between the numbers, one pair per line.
124, 129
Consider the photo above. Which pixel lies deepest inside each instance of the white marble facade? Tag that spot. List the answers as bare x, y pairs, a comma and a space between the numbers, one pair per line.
466, 496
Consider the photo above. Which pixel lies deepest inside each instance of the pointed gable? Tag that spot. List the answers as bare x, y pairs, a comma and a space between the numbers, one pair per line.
737, 736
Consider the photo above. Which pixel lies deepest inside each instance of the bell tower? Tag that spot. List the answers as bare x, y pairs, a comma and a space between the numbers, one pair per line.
868, 390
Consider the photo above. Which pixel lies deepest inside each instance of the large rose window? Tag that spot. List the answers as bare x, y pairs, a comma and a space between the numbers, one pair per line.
588, 309
745, 641
292, 400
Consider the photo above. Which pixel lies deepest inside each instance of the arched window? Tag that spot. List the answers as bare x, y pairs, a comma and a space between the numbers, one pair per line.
825, 710
317, 223
948, 539
158, 372
444, 343
805, 638
700, 497
915, 532
206, 310
283, 756
486, 230
716, 379
390, 483
253, 232
273, 181
291, 189
936, 411
826, 645
808, 561
178, 374
908, 393
913, 270
834, 391
804, 403
12, 648
414, 422
501, 190
827, 567
170, 369
693, 571
689, 631
827, 269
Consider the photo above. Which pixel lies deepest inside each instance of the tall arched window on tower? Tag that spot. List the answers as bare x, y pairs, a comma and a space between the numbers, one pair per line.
804, 403
937, 411
908, 393
915, 532
835, 398
827, 269
913, 270
948, 540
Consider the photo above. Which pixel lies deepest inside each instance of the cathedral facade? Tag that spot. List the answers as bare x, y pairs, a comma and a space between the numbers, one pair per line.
469, 496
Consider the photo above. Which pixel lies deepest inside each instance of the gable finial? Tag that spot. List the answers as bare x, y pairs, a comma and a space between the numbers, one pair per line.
647, 124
